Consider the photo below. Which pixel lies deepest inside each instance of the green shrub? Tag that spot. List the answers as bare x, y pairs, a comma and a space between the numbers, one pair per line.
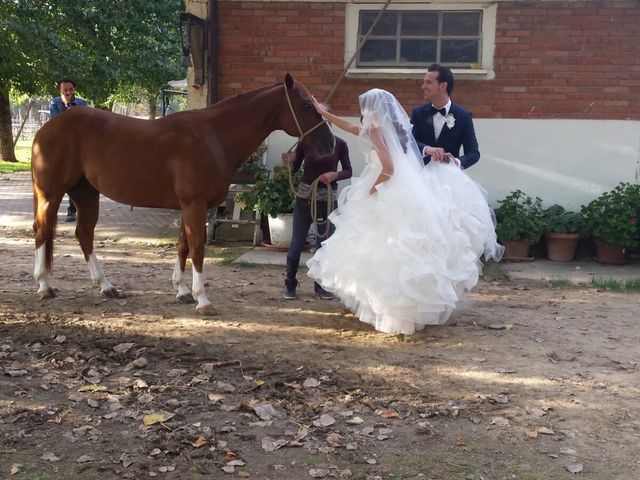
271, 194
519, 218
612, 218
558, 220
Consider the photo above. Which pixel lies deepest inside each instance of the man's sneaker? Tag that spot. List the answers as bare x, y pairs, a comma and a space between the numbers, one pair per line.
322, 293
71, 217
290, 289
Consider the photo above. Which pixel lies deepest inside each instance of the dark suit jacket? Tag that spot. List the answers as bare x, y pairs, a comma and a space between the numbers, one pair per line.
461, 135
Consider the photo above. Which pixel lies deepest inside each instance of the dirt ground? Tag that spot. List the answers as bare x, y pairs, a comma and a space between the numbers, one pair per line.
532, 382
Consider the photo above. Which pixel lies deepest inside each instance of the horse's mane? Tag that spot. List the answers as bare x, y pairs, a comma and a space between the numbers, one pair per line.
244, 95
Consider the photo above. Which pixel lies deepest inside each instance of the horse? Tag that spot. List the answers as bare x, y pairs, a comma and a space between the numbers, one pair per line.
184, 161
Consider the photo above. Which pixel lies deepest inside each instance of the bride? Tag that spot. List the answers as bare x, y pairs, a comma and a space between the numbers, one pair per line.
408, 237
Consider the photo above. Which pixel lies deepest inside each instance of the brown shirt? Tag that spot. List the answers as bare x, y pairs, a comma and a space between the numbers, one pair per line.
315, 166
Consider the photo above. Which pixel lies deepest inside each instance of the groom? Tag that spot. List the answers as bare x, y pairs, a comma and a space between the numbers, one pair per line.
440, 126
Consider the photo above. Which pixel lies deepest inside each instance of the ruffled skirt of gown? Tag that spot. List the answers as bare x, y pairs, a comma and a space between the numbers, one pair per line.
404, 257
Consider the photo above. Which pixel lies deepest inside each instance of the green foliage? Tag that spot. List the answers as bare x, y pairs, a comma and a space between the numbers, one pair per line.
558, 220
560, 282
271, 194
252, 168
10, 167
617, 285
103, 45
107, 47
519, 218
612, 218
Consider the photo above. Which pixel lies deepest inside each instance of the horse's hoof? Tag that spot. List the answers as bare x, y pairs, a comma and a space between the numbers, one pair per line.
112, 293
206, 310
186, 298
47, 293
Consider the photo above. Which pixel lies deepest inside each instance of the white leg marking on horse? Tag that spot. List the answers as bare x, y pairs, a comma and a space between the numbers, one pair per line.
40, 271
97, 274
198, 289
179, 281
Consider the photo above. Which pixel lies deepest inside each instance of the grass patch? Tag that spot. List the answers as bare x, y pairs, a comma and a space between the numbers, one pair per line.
616, 285
560, 282
23, 150
493, 271
10, 167
225, 254
23, 155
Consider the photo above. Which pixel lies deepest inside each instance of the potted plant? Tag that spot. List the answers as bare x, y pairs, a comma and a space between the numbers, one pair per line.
272, 196
250, 170
612, 221
519, 224
562, 230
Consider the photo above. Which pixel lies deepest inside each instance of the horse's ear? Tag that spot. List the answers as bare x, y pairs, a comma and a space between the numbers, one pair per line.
288, 81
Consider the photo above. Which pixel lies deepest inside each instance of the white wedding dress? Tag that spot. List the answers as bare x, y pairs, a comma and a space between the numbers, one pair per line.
403, 257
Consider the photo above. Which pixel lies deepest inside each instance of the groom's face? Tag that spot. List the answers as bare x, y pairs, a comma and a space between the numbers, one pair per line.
431, 88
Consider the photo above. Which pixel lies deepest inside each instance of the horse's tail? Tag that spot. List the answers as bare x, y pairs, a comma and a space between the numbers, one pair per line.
44, 223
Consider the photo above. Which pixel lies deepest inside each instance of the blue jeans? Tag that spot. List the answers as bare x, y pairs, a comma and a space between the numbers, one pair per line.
301, 222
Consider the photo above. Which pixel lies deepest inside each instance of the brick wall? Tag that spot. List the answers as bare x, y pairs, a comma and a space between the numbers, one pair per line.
565, 59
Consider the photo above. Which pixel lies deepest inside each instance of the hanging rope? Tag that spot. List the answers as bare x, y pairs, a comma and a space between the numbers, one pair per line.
355, 54
314, 186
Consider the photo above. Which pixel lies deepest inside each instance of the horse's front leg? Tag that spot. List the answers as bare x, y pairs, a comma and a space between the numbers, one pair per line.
179, 282
194, 218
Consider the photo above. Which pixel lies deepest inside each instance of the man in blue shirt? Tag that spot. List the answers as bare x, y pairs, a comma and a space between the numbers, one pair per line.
67, 99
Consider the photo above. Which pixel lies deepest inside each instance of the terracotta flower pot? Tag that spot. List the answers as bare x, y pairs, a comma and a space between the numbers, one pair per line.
518, 250
610, 254
561, 247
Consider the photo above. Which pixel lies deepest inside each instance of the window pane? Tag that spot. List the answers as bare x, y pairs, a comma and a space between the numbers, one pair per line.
423, 51
463, 23
419, 23
378, 51
387, 25
459, 51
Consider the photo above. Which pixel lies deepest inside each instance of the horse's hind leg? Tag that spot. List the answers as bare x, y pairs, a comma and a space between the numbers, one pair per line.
184, 295
87, 201
194, 217
44, 227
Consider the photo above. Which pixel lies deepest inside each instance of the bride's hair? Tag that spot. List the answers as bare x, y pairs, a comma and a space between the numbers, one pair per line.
379, 108
402, 135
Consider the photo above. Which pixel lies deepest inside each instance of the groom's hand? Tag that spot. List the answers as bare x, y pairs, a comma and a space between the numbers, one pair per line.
436, 153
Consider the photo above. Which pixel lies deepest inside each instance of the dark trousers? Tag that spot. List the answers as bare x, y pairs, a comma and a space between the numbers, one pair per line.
72, 208
301, 223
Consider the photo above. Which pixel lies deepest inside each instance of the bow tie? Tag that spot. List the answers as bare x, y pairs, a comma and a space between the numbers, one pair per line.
434, 110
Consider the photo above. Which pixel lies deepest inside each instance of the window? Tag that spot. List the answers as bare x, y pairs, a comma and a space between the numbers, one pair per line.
416, 38
409, 37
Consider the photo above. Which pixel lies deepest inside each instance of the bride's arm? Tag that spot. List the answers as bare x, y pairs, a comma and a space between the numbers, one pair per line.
385, 157
343, 123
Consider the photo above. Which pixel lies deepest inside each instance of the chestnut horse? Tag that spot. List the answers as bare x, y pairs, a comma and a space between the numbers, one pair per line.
183, 161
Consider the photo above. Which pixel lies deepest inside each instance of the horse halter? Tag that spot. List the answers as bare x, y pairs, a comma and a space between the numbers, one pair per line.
295, 119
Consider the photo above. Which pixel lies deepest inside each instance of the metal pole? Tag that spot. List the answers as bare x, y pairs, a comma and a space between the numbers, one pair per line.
15, 141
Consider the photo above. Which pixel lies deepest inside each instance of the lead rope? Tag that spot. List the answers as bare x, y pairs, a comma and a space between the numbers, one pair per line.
314, 208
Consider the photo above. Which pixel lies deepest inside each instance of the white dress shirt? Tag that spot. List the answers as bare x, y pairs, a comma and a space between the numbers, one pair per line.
438, 124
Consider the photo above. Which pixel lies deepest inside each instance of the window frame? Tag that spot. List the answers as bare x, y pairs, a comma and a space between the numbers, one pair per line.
483, 70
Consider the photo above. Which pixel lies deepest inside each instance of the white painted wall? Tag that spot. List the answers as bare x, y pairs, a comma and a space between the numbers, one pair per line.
569, 162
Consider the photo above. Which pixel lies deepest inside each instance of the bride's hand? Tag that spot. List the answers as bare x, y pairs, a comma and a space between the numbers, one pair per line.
320, 107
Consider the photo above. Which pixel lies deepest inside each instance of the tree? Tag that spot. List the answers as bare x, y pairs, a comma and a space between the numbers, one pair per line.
106, 46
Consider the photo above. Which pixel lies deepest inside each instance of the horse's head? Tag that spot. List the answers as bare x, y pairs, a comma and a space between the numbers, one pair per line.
302, 120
